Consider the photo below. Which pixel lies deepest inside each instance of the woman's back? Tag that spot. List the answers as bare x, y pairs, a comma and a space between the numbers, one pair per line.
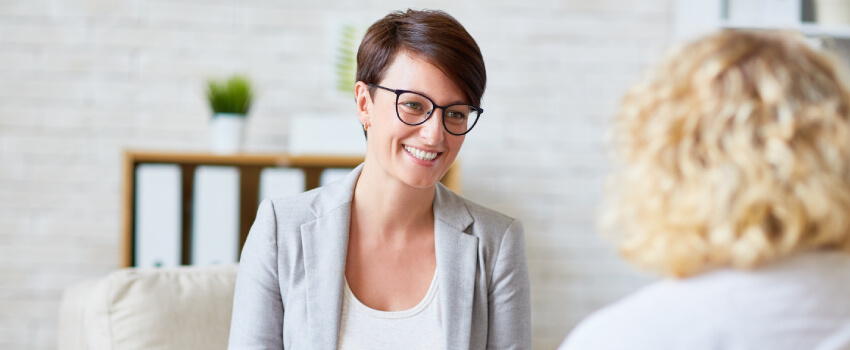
795, 303
732, 179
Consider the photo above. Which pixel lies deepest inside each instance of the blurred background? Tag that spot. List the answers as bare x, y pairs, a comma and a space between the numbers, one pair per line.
84, 81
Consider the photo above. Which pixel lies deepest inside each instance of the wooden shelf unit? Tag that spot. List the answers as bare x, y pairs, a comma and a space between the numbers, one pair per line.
250, 166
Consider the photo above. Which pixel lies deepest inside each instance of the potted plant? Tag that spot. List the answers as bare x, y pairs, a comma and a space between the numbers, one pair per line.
230, 100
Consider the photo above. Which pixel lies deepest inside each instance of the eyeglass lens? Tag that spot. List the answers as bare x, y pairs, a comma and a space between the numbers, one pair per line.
414, 109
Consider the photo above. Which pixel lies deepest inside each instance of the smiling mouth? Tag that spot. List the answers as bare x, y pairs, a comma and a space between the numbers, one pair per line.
420, 154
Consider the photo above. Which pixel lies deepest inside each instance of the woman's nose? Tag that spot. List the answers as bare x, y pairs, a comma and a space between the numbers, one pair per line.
432, 129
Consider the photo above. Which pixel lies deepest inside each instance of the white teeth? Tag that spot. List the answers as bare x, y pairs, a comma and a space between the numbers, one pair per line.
423, 155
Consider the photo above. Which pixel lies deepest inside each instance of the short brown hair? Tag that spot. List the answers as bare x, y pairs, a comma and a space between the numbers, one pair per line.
735, 151
432, 35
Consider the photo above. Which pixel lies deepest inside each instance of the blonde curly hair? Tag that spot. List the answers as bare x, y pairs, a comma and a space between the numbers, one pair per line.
734, 151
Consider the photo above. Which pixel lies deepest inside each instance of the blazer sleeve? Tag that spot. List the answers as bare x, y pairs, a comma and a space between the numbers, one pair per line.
257, 321
510, 294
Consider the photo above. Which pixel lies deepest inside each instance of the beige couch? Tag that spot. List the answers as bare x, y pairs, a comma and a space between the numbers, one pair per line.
170, 308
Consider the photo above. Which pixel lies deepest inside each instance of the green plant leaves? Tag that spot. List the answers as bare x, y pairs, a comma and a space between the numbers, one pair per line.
346, 58
232, 95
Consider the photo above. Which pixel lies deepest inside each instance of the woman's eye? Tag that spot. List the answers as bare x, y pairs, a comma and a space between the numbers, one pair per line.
413, 105
456, 115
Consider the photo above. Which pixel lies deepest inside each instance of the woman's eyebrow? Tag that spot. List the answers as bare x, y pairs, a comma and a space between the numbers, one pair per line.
429, 97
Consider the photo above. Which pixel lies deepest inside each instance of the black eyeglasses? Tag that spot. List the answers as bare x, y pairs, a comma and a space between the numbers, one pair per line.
413, 108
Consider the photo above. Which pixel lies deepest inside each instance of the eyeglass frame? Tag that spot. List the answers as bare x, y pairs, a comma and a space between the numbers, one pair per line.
398, 93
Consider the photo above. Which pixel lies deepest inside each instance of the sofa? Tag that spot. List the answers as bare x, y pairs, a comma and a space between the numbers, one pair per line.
156, 308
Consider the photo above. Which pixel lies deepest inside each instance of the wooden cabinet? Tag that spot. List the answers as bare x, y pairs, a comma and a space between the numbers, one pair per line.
249, 167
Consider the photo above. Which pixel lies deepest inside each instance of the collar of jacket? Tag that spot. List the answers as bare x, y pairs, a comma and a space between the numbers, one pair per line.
325, 245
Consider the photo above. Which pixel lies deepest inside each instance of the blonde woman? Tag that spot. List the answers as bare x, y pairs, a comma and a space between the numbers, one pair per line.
733, 181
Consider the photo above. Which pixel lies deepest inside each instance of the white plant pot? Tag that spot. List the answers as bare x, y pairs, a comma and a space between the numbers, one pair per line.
226, 133
832, 12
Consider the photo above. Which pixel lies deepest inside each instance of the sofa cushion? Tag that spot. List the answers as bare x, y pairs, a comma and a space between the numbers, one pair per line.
173, 308
74, 300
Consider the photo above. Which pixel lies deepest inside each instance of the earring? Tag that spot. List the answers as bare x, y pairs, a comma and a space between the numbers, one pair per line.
365, 127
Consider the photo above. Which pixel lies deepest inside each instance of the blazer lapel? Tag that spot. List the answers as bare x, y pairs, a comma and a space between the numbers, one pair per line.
325, 246
457, 256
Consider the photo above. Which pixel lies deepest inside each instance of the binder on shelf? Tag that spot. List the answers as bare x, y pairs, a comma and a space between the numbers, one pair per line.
158, 222
215, 216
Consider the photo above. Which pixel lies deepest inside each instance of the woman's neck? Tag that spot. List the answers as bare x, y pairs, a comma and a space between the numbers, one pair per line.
384, 205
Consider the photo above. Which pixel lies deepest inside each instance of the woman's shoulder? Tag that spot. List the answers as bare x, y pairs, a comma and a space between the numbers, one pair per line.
291, 207
482, 217
728, 304
302, 199
489, 226
488, 216
654, 308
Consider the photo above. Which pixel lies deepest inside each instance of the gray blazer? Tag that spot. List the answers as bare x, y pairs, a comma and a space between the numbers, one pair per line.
290, 281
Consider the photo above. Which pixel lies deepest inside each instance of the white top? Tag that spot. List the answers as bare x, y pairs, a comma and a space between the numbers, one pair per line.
802, 302
362, 327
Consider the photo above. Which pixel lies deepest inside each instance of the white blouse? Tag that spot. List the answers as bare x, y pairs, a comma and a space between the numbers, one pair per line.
362, 327
800, 302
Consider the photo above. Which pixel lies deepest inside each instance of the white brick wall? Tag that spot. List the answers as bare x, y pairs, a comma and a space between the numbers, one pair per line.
82, 80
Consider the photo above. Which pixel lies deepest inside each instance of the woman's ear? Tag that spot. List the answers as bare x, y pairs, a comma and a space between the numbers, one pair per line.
364, 102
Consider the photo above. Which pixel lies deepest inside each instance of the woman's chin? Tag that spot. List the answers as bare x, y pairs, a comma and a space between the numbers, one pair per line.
420, 182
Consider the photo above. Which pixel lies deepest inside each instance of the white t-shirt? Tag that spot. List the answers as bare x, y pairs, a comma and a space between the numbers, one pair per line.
362, 327
801, 302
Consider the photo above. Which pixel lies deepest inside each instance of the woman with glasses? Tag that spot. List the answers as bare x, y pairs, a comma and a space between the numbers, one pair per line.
734, 182
388, 258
